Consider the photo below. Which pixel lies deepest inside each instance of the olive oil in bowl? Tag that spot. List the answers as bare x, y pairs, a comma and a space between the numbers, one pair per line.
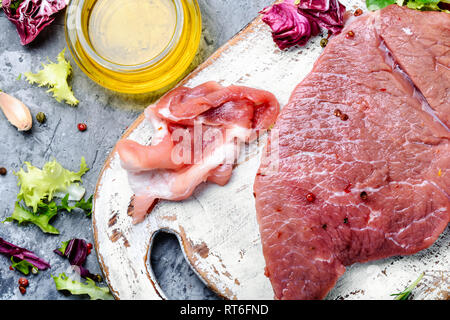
131, 32
134, 46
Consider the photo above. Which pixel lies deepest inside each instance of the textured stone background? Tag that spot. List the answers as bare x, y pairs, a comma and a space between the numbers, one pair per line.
107, 115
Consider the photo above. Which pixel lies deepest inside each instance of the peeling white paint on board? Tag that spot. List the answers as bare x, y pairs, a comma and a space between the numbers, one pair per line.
217, 225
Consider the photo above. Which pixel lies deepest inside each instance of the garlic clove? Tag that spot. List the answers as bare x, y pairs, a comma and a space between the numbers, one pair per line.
16, 112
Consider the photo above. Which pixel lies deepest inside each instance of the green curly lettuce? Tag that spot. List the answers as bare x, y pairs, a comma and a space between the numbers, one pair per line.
63, 247
23, 266
65, 204
37, 184
426, 5
55, 75
46, 211
373, 5
41, 219
430, 5
85, 205
62, 282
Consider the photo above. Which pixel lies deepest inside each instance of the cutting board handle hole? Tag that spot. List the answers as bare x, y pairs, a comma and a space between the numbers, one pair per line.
173, 273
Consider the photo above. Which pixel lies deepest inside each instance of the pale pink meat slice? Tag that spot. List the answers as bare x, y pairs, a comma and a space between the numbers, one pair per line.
175, 103
136, 157
366, 187
415, 49
221, 175
198, 135
214, 105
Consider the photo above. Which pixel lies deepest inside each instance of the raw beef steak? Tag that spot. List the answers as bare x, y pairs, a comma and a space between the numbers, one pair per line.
363, 154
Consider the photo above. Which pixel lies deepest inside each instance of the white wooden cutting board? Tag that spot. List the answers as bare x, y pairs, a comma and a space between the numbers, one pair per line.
217, 226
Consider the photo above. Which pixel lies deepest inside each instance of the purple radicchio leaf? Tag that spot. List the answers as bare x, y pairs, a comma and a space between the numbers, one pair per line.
12, 250
331, 17
289, 28
76, 252
31, 16
320, 5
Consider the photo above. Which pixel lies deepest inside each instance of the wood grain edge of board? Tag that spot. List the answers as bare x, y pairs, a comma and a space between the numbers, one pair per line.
184, 241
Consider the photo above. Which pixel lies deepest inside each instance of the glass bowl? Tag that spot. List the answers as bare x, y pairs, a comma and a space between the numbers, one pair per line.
155, 75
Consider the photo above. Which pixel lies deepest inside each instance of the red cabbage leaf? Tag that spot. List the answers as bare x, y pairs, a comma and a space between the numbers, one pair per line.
289, 28
331, 19
76, 251
321, 5
12, 250
294, 22
31, 16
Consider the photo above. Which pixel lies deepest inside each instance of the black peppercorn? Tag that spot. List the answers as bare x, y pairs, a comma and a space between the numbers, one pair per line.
364, 195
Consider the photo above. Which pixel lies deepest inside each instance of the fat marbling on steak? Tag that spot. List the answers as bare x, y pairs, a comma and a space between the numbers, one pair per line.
364, 155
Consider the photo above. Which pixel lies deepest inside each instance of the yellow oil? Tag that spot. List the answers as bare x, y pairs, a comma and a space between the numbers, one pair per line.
131, 32
115, 42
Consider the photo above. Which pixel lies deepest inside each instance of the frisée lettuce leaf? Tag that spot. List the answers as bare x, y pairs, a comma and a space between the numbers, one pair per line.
37, 184
426, 5
85, 205
41, 219
22, 266
62, 282
54, 75
46, 211
373, 5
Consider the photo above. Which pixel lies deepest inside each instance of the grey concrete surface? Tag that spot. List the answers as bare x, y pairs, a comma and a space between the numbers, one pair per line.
107, 115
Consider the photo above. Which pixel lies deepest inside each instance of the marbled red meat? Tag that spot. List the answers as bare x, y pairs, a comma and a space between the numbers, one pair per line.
198, 135
363, 154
